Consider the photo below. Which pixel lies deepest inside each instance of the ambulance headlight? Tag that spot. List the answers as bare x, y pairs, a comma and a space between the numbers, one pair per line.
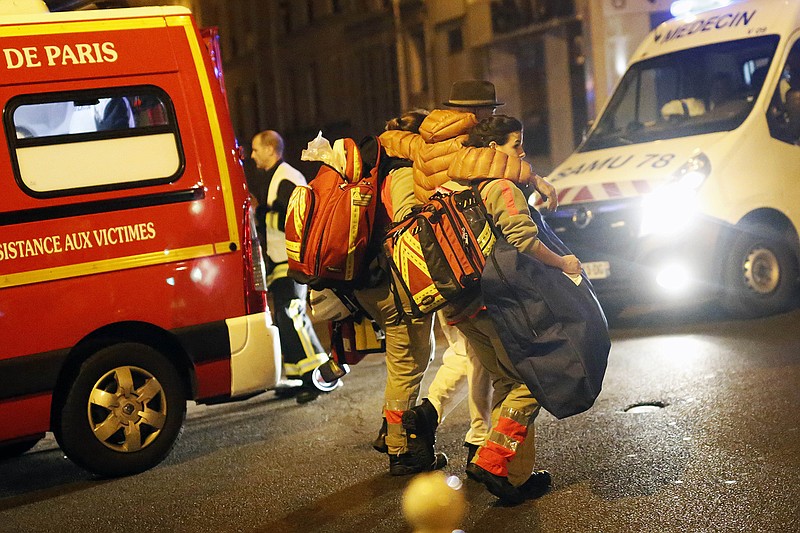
673, 278
670, 209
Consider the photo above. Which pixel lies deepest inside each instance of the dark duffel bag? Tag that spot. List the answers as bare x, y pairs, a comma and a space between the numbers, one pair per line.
554, 331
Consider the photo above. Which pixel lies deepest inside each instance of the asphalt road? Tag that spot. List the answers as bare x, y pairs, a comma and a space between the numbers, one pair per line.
719, 452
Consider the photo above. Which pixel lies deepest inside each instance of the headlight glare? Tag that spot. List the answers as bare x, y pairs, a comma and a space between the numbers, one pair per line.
671, 207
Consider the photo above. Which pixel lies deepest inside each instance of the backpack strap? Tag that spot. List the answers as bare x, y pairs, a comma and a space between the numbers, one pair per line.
478, 187
353, 163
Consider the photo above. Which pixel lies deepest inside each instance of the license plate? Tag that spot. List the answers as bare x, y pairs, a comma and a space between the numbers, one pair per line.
597, 269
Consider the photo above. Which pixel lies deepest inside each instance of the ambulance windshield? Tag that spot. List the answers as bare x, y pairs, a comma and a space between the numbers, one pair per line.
691, 92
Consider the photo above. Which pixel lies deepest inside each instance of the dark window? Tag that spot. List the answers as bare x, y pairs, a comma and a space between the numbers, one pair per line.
455, 41
681, 94
65, 143
783, 115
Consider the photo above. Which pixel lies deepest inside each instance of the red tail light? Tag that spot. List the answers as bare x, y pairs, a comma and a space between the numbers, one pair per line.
255, 269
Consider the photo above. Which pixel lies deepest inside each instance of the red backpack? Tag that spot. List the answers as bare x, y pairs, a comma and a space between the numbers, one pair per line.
329, 223
437, 253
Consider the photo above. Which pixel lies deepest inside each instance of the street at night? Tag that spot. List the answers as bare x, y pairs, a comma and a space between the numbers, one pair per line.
715, 450
176, 176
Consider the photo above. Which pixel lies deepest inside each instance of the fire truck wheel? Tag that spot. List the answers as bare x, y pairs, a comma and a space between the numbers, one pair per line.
761, 274
123, 412
15, 449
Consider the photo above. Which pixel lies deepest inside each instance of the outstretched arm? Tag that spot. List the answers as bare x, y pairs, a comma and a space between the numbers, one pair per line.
547, 190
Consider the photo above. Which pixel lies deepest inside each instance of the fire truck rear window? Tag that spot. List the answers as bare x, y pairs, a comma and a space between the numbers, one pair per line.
69, 143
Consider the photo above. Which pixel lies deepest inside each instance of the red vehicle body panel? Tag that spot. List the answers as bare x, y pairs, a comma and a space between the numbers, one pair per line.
116, 256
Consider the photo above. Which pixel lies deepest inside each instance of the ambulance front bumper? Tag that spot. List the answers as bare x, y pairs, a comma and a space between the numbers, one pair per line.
626, 266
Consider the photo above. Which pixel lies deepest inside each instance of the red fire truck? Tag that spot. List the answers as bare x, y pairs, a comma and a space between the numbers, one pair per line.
130, 275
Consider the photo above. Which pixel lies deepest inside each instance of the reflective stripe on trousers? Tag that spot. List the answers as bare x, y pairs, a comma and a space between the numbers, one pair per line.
505, 437
396, 438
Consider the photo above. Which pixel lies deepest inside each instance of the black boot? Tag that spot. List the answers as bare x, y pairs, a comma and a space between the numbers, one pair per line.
406, 464
497, 485
472, 449
536, 485
420, 423
288, 388
379, 444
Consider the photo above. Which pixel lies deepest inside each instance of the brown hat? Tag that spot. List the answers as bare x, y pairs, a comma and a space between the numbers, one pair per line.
472, 93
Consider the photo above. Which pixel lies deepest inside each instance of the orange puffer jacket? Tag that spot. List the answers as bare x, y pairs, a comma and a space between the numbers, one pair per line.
470, 164
432, 151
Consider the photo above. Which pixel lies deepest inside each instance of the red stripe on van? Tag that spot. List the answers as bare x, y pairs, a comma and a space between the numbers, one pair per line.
584, 195
642, 186
612, 190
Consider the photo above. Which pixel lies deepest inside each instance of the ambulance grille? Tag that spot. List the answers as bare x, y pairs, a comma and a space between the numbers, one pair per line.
601, 231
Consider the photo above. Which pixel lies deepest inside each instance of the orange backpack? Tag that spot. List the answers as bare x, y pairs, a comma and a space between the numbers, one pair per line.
438, 252
329, 223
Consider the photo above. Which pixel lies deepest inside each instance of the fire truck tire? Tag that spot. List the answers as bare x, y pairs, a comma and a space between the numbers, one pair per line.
15, 449
123, 412
760, 276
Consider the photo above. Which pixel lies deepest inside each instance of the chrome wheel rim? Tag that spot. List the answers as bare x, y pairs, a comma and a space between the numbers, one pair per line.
762, 270
127, 409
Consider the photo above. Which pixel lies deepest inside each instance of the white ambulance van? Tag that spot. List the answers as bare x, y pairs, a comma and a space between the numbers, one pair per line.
689, 180
131, 279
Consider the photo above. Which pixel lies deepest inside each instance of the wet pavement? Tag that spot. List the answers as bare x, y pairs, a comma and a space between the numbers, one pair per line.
697, 429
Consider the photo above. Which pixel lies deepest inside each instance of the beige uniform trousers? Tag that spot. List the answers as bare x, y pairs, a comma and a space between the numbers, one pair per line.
461, 376
509, 390
409, 351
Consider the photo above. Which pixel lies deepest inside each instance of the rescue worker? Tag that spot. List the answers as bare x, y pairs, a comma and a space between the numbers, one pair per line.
432, 147
459, 375
409, 341
301, 349
504, 463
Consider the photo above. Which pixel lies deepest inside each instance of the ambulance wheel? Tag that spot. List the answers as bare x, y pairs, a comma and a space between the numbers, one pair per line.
761, 274
15, 449
123, 412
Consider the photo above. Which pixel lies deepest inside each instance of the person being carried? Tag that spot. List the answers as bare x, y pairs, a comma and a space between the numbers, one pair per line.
300, 346
441, 135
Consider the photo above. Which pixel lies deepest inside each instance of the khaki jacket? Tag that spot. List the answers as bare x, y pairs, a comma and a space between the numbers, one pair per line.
504, 202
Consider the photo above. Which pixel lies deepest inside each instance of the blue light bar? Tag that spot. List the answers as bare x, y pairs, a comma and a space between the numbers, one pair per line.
680, 8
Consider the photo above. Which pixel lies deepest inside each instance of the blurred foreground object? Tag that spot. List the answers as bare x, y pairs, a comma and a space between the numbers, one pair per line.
434, 503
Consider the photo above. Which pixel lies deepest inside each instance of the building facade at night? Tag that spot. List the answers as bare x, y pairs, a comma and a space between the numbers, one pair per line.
345, 66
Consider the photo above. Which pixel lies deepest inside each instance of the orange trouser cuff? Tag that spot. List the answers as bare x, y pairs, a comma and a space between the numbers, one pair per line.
494, 458
501, 446
393, 417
